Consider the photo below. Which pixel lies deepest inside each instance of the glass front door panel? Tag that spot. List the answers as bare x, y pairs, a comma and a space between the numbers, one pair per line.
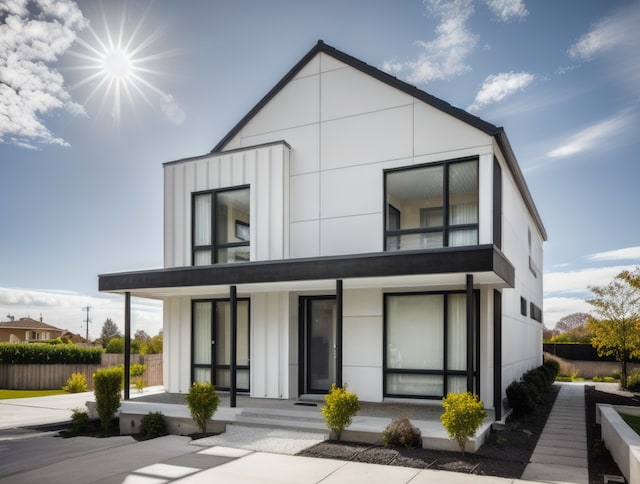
321, 344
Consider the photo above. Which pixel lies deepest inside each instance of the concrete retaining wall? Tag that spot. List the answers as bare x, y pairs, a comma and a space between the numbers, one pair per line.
621, 440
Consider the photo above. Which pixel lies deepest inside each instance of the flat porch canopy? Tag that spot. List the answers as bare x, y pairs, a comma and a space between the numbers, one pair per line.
446, 266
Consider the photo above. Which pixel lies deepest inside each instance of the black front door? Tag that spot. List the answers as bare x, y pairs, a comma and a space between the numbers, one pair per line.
319, 336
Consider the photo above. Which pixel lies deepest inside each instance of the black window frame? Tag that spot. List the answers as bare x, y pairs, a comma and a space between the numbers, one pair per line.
473, 359
523, 306
214, 247
213, 366
446, 227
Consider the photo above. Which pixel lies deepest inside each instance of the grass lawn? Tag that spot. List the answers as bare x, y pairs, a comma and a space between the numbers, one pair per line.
632, 421
4, 394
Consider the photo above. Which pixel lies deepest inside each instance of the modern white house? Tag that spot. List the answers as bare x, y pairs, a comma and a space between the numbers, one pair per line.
354, 229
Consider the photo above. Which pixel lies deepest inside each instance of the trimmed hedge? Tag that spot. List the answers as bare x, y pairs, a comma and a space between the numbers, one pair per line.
46, 354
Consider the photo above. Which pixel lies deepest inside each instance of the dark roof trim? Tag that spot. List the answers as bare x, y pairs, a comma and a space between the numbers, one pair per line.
510, 157
461, 114
237, 150
483, 258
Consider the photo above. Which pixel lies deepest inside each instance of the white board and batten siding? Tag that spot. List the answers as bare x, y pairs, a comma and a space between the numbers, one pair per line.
265, 169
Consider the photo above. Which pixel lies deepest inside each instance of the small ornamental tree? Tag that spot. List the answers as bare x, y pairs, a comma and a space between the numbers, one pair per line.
339, 408
202, 401
614, 320
463, 415
107, 384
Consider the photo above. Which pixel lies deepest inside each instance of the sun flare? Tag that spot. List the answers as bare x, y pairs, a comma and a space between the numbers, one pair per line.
118, 61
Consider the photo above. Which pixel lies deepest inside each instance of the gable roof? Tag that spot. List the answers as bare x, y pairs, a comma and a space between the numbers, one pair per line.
28, 323
496, 132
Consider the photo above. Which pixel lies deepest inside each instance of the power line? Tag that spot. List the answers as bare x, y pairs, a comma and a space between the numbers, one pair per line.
87, 309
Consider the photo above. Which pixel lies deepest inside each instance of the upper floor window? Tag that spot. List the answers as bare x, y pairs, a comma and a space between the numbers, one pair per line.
432, 206
221, 226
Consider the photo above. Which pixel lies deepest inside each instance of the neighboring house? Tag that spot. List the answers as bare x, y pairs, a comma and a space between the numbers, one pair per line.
27, 330
351, 228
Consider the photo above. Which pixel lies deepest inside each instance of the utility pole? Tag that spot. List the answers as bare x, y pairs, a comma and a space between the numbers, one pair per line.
87, 309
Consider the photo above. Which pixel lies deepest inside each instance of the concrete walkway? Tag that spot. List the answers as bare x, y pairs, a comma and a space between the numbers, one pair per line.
561, 453
560, 456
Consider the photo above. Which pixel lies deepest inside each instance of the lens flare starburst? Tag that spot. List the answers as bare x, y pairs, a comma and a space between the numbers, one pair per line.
121, 62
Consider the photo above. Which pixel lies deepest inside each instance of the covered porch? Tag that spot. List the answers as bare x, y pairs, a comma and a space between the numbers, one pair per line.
463, 269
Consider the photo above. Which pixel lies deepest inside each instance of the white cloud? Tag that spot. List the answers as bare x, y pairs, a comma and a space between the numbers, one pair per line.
63, 309
556, 308
577, 282
628, 253
32, 34
507, 10
446, 55
498, 86
594, 136
619, 30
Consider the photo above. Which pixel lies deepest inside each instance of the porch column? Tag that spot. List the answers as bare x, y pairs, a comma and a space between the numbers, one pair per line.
470, 313
127, 343
339, 332
497, 353
234, 342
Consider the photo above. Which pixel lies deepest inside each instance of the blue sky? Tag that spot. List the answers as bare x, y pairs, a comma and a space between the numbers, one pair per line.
81, 161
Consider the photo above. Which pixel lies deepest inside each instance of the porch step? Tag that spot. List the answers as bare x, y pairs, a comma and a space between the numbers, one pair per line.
291, 420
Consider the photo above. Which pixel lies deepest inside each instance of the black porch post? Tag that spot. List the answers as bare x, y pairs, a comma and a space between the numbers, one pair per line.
470, 313
127, 343
234, 343
339, 332
497, 353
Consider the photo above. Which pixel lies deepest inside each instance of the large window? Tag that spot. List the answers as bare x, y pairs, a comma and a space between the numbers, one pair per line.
221, 226
432, 206
425, 340
211, 343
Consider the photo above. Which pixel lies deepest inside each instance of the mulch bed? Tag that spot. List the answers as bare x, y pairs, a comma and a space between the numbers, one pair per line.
506, 452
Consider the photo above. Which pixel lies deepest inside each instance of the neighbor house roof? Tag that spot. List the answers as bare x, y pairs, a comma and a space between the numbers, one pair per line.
28, 323
496, 132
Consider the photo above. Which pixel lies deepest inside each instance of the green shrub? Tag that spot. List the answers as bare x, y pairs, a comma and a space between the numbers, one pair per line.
553, 366
547, 375
139, 383
519, 396
463, 414
633, 380
46, 354
401, 432
202, 401
137, 369
79, 421
154, 425
107, 385
339, 408
536, 381
77, 383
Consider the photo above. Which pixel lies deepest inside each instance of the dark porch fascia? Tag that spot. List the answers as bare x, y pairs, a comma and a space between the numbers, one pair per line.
482, 258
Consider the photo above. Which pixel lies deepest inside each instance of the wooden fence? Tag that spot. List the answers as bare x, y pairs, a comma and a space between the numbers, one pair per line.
47, 377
